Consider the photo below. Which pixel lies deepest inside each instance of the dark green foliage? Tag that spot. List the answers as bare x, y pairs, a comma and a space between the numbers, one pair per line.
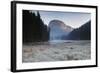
81, 33
34, 29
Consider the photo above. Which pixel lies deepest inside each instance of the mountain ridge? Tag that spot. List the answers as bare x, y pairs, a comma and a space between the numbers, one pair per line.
58, 29
81, 33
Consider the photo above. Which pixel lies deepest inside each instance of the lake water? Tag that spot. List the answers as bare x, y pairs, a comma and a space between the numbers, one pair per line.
66, 41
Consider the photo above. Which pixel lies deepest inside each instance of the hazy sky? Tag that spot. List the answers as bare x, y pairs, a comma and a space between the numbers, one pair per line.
73, 19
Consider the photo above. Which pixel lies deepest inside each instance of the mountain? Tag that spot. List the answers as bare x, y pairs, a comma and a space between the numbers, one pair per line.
81, 33
58, 30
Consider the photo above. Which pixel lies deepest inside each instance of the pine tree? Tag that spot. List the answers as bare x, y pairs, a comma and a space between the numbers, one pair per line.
34, 29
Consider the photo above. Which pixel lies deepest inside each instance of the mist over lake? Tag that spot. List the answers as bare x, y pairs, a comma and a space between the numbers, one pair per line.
57, 40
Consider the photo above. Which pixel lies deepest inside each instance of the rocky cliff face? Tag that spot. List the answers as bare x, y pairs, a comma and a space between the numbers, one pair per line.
59, 30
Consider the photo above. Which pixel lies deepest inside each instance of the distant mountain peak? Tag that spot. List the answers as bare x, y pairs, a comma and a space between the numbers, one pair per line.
58, 29
56, 22
61, 24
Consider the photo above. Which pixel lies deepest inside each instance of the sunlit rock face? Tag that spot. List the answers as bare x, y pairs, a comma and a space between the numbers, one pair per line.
59, 30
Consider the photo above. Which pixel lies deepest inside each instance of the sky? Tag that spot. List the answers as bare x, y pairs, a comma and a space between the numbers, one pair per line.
73, 19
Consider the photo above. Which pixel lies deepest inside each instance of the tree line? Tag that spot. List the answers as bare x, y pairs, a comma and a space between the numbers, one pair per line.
34, 29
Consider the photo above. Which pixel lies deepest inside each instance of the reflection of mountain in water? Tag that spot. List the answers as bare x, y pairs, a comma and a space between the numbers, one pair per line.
58, 29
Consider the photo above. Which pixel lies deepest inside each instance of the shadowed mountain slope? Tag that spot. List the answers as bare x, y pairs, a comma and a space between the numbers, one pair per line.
81, 33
